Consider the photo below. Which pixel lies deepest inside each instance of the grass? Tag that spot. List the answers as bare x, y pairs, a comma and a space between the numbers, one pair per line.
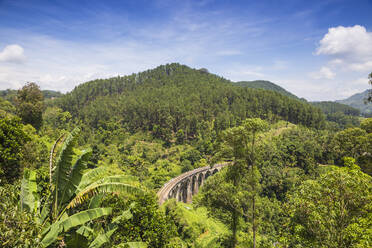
206, 229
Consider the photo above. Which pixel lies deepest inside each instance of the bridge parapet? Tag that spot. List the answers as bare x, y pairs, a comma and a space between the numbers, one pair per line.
187, 184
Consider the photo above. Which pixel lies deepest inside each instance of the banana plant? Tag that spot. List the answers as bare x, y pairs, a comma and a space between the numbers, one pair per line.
101, 237
69, 188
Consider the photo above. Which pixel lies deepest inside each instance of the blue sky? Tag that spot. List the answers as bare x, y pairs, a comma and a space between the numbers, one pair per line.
319, 50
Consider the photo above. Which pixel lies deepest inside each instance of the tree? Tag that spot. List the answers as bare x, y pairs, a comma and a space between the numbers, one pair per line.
238, 187
29, 104
147, 223
69, 188
329, 211
253, 127
366, 124
12, 139
351, 142
17, 229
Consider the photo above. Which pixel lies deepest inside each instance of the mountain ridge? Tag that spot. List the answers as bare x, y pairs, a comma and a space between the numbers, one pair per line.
358, 101
266, 85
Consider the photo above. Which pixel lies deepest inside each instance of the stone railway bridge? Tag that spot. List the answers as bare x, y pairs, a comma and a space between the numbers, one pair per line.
187, 184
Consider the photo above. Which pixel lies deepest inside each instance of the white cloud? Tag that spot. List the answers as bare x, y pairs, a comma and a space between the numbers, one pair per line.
348, 54
336, 62
12, 53
353, 42
243, 72
365, 67
324, 72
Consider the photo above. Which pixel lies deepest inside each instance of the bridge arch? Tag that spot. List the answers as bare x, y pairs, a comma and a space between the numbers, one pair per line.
183, 187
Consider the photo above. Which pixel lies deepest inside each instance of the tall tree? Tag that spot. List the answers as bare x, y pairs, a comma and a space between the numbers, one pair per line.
12, 139
239, 186
253, 127
29, 103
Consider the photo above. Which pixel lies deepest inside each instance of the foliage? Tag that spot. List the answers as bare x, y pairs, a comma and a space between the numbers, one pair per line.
356, 143
17, 228
148, 128
70, 187
174, 97
35, 150
194, 226
12, 139
29, 104
366, 124
326, 212
266, 85
358, 101
147, 223
329, 107
6, 108
238, 187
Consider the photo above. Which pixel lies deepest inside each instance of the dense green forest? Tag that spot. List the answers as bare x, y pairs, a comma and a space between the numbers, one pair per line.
82, 169
339, 114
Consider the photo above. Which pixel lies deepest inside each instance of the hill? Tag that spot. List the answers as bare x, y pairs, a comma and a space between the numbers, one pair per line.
266, 85
357, 101
339, 114
329, 107
174, 98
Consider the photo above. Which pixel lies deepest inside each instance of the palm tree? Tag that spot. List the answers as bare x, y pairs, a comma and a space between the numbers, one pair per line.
69, 188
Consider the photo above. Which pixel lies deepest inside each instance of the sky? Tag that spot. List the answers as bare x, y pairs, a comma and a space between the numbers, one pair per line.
318, 50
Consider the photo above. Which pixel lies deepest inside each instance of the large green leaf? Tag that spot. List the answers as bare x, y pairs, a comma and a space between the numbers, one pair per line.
99, 175
119, 179
60, 177
136, 245
85, 231
95, 201
126, 215
102, 238
53, 153
29, 196
90, 177
75, 176
103, 188
73, 221
62, 169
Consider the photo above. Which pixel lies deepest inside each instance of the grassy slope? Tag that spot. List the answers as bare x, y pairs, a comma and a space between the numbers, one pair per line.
206, 228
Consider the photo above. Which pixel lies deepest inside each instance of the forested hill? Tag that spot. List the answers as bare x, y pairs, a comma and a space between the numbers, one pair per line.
266, 85
175, 98
358, 101
329, 107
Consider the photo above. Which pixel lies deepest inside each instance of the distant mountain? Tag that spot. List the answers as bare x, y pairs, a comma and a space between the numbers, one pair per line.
9, 94
358, 101
266, 85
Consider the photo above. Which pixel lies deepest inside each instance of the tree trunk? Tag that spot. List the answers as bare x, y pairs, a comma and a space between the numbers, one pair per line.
234, 228
254, 222
254, 195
